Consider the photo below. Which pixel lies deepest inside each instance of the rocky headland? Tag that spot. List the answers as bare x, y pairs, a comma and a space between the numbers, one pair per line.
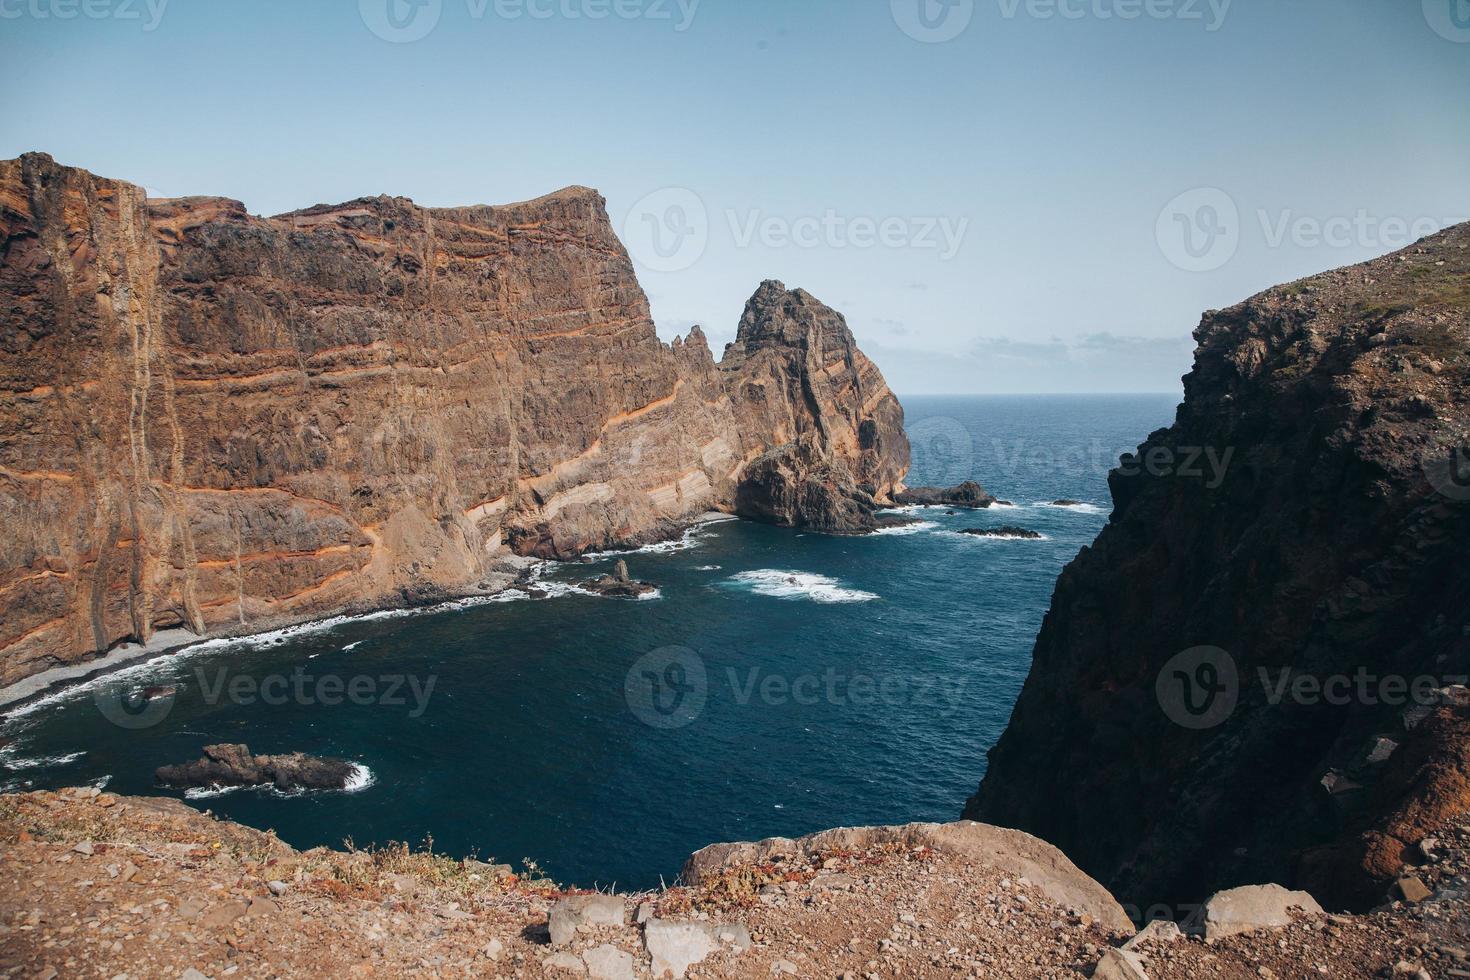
222, 423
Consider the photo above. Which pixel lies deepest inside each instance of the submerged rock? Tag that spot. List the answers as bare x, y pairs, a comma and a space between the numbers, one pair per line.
968, 494
233, 765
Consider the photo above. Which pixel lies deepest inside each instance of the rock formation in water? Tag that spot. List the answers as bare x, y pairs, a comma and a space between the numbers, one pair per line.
968, 494
831, 447
233, 765
226, 422
619, 585
1004, 531
1248, 676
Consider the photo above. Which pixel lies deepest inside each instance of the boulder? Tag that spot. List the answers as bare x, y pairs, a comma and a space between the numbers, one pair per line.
676, 946
1253, 907
1010, 851
582, 912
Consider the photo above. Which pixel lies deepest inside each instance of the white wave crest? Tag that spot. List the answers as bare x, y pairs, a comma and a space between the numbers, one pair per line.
11, 759
1075, 508
799, 585
362, 777
691, 538
907, 529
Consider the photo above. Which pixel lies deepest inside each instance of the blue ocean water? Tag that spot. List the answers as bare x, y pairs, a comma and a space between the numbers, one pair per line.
780, 683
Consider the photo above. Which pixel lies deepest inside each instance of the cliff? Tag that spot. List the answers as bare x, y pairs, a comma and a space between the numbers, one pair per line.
227, 422
1307, 513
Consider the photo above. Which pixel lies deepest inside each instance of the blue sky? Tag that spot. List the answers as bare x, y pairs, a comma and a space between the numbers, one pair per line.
1024, 195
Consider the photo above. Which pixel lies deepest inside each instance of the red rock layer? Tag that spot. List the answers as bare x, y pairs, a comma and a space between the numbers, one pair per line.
228, 422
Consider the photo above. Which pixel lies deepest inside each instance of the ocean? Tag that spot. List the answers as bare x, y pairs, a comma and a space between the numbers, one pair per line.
778, 683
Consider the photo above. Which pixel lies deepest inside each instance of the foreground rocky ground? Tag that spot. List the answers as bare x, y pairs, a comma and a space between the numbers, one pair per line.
94, 885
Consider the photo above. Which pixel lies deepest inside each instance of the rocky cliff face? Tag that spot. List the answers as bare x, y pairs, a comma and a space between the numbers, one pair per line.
226, 422
1308, 512
831, 445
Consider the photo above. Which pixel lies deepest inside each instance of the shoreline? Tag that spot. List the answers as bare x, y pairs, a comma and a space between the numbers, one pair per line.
55, 681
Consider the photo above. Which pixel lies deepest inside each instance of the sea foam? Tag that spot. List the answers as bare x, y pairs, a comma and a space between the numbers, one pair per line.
799, 585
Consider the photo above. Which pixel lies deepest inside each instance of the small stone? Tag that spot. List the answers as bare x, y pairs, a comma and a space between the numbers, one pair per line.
277, 888
493, 950
784, 966
567, 962
646, 910
1413, 889
1159, 931
608, 963
1120, 964
1382, 749
583, 912
85, 847
224, 915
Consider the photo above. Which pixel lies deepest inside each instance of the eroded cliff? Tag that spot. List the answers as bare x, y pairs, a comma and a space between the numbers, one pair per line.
225, 422
1243, 679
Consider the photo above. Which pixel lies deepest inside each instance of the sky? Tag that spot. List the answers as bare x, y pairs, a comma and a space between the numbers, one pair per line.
1001, 196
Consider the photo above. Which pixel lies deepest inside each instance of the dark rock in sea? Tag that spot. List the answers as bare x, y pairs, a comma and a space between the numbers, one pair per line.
1308, 511
1005, 531
1066, 503
619, 585
968, 494
233, 765
793, 486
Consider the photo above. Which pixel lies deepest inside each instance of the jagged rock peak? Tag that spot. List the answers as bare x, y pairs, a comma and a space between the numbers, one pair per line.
775, 315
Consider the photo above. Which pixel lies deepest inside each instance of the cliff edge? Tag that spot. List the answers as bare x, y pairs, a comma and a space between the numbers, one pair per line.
1251, 676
